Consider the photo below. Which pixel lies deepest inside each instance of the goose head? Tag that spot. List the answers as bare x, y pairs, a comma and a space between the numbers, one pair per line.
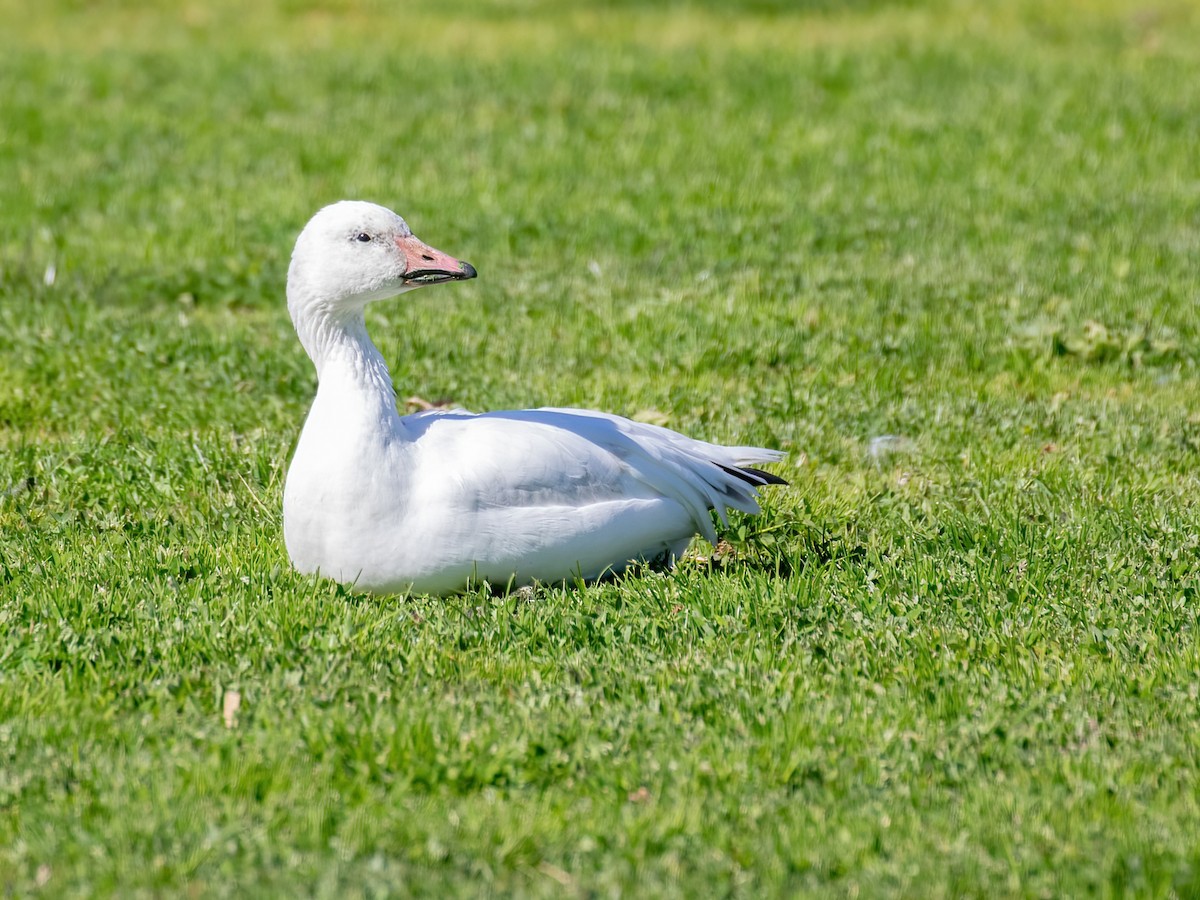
352, 253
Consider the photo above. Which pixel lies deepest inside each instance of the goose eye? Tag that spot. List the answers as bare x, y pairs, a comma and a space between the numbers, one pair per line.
363, 236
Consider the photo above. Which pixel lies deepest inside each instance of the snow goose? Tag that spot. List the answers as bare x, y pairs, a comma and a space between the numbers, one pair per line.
432, 501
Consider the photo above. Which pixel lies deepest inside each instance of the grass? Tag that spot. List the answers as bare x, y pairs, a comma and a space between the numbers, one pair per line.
944, 254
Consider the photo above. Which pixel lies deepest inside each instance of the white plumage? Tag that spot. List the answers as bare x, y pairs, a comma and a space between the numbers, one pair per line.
431, 501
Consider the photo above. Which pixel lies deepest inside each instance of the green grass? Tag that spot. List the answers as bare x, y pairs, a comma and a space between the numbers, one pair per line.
960, 660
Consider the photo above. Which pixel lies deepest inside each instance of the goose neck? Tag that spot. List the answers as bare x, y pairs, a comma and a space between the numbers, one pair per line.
343, 353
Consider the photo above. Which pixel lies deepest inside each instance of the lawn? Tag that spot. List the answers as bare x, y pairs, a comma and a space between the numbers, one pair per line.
946, 255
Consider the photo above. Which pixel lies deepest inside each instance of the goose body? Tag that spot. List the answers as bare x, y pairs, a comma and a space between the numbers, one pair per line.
431, 501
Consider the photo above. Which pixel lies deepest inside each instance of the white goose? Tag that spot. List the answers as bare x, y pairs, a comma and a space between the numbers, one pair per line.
432, 501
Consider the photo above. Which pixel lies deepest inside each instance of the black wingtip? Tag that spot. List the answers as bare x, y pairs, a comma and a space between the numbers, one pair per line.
751, 475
